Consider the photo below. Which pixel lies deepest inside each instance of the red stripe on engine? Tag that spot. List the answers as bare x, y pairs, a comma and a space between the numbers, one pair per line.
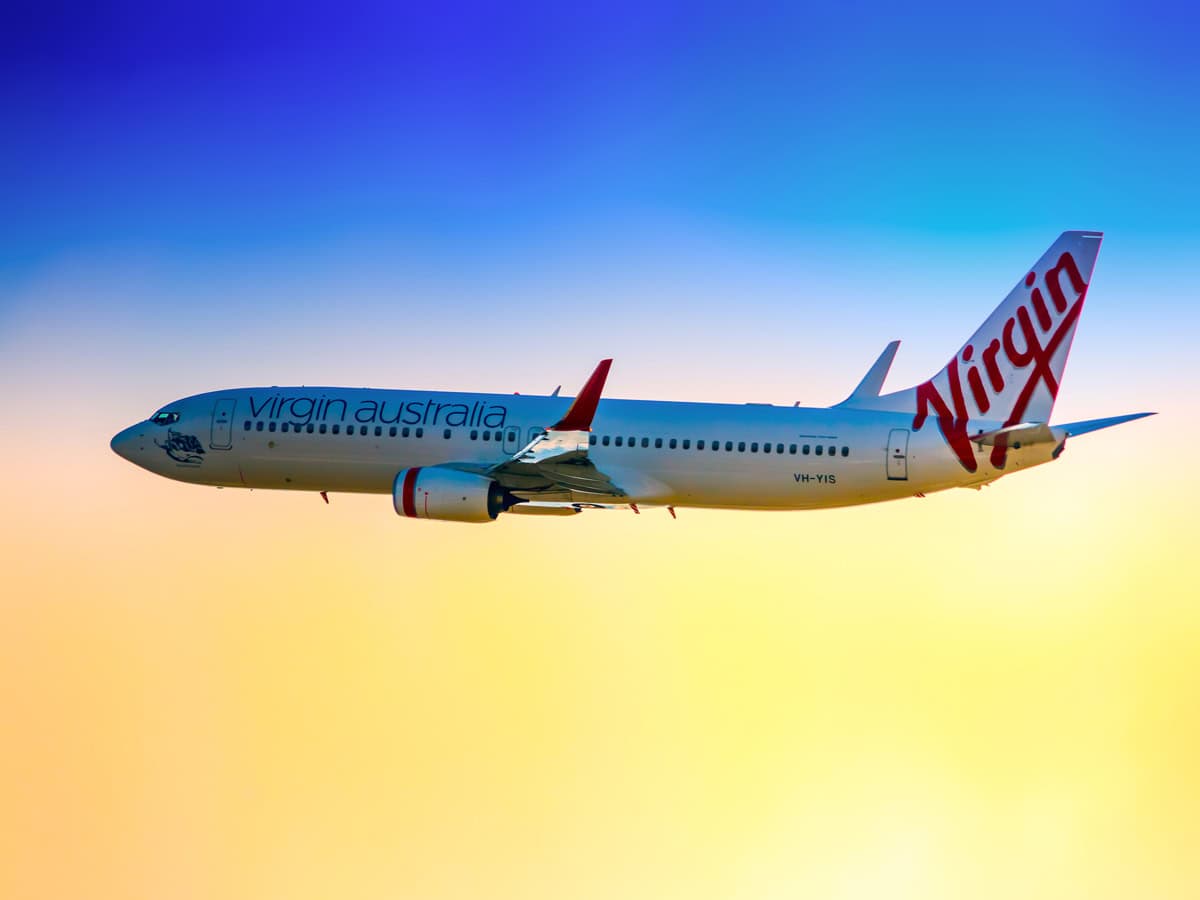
408, 491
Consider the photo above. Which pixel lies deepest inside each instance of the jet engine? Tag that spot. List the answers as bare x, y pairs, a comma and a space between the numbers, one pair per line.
440, 493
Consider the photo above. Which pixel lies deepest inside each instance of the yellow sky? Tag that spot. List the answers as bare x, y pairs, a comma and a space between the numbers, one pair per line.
232, 694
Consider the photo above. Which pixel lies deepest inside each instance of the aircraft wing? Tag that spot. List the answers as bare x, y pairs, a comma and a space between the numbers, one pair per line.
554, 466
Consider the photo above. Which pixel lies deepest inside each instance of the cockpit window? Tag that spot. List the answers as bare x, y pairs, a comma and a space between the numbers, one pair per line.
165, 418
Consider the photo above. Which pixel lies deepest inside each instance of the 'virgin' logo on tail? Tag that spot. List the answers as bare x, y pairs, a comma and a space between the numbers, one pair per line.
1033, 357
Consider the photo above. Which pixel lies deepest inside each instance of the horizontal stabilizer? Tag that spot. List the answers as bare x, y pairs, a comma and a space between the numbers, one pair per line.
1025, 433
1041, 433
872, 384
1074, 429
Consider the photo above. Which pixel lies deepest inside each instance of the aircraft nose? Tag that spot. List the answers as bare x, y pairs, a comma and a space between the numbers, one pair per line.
126, 443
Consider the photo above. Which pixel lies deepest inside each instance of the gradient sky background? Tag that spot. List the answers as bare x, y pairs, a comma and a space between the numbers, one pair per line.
229, 694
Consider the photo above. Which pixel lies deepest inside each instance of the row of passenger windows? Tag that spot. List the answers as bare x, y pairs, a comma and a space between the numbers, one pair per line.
741, 446
322, 428
602, 440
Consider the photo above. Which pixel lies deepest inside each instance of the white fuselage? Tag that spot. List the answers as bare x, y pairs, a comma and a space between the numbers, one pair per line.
765, 457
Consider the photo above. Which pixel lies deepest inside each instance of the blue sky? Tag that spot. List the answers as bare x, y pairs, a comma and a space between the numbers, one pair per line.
223, 130
481, 197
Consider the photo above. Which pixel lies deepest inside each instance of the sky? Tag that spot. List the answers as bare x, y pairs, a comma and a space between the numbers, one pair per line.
246, 694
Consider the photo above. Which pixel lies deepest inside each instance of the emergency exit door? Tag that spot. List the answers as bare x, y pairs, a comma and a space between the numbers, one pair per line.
897, 455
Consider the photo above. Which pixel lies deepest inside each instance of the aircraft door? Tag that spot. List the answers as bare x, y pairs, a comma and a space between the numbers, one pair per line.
222, 424
897, 455
512, 439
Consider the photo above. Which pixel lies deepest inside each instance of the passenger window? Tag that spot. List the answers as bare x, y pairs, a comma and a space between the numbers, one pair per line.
645, 442
392, 431
487, 435
819, 449
284, 427
657, 443
792, 449
420, 432
832, 450
246, 427
754, 447
604, 440
804, 450
258, 426
323, 428
591, 440
337, 429
620, 440
404, 432
633, 442
362, 429
845, 451
310, 427
446, 433
271, 427
741, 446
700, 445
729, 446
474, 435
767, 448
779, 448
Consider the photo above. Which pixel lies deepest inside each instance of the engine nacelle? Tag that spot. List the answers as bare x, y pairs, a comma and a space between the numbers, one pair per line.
438, 493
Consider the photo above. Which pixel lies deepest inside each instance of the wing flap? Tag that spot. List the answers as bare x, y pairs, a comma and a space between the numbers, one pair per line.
555, 463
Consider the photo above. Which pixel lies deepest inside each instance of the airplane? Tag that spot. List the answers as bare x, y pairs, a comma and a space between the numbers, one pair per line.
467, 457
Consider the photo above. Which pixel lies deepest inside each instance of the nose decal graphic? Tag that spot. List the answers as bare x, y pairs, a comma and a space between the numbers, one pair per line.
185, 449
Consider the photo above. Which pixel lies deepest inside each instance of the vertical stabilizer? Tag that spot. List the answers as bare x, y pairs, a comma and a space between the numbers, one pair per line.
1010, 369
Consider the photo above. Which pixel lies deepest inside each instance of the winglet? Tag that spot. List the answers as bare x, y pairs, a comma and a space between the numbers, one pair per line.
872, 384
579, 416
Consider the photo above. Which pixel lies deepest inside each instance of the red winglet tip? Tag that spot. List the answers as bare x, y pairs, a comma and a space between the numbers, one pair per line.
583, 408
